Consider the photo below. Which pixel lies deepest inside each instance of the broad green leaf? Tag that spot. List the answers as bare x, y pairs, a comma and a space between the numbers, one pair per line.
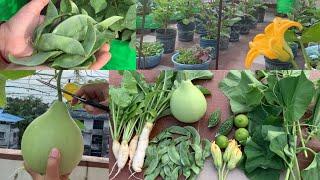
294, 95
312, 34
264, 174
312, 172
205, 91
120, 96
108, 22
35, 59
129, 82
52, 12
130, 18
194, 74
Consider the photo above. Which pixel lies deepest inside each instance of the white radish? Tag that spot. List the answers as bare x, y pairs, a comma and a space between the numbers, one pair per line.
122, 157
115, 148
132, 148
143, 142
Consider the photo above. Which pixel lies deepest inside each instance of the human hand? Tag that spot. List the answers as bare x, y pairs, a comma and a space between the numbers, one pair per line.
52, 172
16, 34
97, 92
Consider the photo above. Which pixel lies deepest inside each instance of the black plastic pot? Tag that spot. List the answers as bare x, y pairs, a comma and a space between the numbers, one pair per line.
204, 43
235, 33
200, 27
185, 32
224, 43
245, 25
167, 38
276, 64
260, 15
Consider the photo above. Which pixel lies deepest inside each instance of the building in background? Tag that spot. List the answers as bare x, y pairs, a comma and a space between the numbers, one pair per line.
95, 132
8, 130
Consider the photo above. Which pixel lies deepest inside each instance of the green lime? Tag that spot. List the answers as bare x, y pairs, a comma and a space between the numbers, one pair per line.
241, 121
241, 134
222, 141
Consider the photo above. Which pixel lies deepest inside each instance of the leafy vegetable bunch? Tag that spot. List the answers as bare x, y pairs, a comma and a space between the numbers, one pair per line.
68, 38
277, 106
135, 106
174, 152
163, 11
103, 9
194, 55
151, 49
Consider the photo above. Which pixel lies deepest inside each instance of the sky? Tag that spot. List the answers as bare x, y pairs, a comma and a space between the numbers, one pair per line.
30, 86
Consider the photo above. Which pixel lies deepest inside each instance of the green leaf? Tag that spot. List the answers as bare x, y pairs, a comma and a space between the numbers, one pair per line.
3, 98
110, 21
98, 5
120, 96
79, 124
13, 75
294, 94
290, 36
264, 174
205, 91
312, 34
194, 74
244, 92
129, 82
312, 172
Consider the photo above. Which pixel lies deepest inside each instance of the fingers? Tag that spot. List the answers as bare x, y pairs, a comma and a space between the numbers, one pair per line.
36, 6
41, 19
52, 171
102, 56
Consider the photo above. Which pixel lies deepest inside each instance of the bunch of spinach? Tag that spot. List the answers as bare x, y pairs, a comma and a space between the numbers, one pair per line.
68, 38
103, 9
176, 151
275, 106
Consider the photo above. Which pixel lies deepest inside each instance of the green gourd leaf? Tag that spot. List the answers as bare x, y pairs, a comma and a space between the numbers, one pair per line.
65, 6
52, 12
98, 5
35, 59
51, 42
108, 22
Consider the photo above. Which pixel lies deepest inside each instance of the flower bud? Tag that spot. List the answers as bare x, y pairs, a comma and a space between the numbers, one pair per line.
227, 153
236, 155
216, 155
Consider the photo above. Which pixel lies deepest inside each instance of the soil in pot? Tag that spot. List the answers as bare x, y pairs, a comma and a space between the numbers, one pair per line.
245, 25
235, 33
204, 43
167, 38
224, 42
185, 32
277, 65
179, 66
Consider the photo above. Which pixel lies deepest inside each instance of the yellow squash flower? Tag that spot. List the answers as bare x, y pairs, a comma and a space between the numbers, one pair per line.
72, 88
216, 155
272, 43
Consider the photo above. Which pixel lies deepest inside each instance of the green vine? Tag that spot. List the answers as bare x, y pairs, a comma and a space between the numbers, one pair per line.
59, 85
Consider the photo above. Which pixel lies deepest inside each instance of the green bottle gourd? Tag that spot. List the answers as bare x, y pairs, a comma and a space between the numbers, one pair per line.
187, 103
53, 129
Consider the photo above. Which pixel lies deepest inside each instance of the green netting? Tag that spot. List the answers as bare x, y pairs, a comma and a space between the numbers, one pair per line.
9, 7
285, 6
123, 57
149, 22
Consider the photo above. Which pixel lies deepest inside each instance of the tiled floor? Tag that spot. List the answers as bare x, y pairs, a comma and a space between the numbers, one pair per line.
232, 58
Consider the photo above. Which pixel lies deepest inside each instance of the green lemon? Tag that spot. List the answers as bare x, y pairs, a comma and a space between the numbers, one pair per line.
241, 121
222, 141
241, 134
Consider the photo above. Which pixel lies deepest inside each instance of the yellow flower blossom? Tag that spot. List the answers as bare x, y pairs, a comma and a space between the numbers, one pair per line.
272, 43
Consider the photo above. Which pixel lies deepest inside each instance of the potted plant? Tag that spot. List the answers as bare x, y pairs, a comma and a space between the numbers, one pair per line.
151, 55
195, 58
260, 7
164, 9
232, 20
209, 38
246, 18
186, 26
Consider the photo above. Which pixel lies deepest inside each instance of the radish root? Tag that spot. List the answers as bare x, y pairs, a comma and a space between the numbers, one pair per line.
122, 157
132, 149
143, 142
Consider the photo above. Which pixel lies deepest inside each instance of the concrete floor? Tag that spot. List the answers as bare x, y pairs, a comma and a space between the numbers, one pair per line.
232, 58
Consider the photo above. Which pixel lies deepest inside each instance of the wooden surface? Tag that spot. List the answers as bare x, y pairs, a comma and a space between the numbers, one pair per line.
216, 100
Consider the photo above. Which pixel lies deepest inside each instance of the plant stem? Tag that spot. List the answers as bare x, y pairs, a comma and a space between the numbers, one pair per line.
226, 174
295, 65
301, 139
305, 56
59, 85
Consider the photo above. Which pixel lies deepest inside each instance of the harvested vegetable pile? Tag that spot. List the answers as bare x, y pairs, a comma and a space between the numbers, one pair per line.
68, 39
277, 104
136, 105
174, 152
